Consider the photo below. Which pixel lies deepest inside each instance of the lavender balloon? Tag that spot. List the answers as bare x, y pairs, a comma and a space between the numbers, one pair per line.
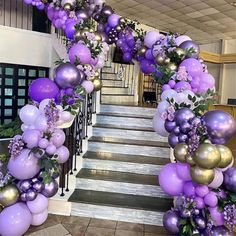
173, 140
187, 45
67, 76
230, 179
113, 20
70, 29
220, 231
39, 219
50, 189
82, 14
38, 205
171, 221
220, 125
193, 66
183, 115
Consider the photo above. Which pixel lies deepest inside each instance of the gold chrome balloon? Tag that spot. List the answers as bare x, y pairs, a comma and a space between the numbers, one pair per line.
202, 176
68, 7
160, 60
142, 51
9, 195
226, 156
78, 36
180, 52
118, 28
97, 84
166, 61
97, 74
1, 208
98, 37
91, 30
93, 78
172, 66
190, 160
207, 156
122, 20
181, 152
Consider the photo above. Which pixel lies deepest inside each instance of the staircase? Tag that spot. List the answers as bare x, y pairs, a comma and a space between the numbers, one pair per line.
118, 180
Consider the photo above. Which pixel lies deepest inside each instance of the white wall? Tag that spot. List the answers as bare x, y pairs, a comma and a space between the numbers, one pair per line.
25, 47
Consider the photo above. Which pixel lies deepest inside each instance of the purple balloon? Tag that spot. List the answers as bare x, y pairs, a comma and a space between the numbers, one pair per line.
63, 154
81, 52
67, 76
23, 197
171, 222
31, 138
217, 216
230, 179
113, 20
172, 83
43, 88
202, 190
38, 186
220, 231
149, 54
58, 138
31, 195
199, 202
70, 29
200, 222
15, 220
193, 66
39, 219
182, 138
88, 86
24, 185
147, 67
50, 189
211, 199
185, 127
182, 86
189, 189
191, 45
183, 115
127, 57
82, 14
166, 87
173, 140
170, 125
183, 171
101, 27
25, 161
172, 185
107, 11
38, 205
220, 125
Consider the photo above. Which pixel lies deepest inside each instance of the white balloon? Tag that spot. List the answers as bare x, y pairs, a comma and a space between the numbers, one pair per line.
162, 106
180, 98
63, 2
158, 125
28, 114
41, 123
24, 127
66, 116
218, 179
43, 104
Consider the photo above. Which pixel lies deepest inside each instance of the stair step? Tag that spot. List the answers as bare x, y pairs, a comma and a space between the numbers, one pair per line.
119, 182
115, 90
129, 142
117, 99
138, 116
121, 200
106, 156
112, 83
109, 75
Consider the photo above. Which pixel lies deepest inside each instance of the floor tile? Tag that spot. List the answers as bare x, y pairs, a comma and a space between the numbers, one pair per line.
128, 233
156, 234
56, 230
154, 229
75, 230
82, 221
110, 224
130, 226
95, 231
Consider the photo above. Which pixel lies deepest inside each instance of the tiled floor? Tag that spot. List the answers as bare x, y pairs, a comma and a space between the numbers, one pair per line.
80, 226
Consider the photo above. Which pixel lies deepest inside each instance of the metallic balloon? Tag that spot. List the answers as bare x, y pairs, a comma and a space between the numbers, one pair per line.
9, 195
50, 189
181, 152
160, 60
220, 125
68, 7
24, 185
207, 156
170, 125
23, 197
98, 37
173, 140
172, 66
67, 76
230, 179
97, 84
38, 186
220, 231
190, 160
200, 222
107, 11
142, 51
187, 45
101, 27
171, 221
166, 61
82, 14
202, 176
226, 156
79, 36
184, 114
185, 213
118, 28
31, 195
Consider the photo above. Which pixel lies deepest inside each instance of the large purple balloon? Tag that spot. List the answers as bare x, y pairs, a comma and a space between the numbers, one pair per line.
81, 53
230, 179
191, 45
39, 219
172, 185
31, 138
24, 166
193, 66
183, 115
220, 125
113, 20
220, 231
70, 29
67, 76
43, 88
38, 205
217, 216
171, 221
50, 189
15, 220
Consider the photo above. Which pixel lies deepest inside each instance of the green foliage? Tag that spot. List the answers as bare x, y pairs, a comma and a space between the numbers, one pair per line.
4, 158
11, 129
59, 62
90, 24
165, 73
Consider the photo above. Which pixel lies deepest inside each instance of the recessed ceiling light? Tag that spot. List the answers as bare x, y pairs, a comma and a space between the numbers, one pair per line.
233, 4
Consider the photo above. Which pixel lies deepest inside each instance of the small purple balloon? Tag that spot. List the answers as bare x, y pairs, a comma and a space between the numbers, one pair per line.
200, 222
199, 202
183, 115
24, 185
50, 189
170, 125
113, 20
147, 67
185, 127
171, 222
182, 138
43, 88
100, 27
230, 179
173, 140
67, 76
182, 86
220, 231
31, 195
107, 11
70, 29
38, 186
189, 189
23, 197
82, 14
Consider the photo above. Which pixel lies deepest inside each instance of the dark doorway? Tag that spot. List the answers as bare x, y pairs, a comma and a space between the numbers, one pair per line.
41, 23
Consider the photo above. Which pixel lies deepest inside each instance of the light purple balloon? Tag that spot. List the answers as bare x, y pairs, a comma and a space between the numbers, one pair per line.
182, 86
202, 190
51, 149
15, 220
39, 219
151, 38
25, 161
172, 83
50, 189
193, 66
189, 189
183, 171
58, 138
168, 94
159, 125
63, 154
43, 143
31, 138
181, 39
28, 2
199, 202
70, 29
41, 123
28, 114
162, 106
217, 217
113, 20
82, 14
166, 87
81, 52
67, 76
172, 185
211, 199
38, 205
88, 86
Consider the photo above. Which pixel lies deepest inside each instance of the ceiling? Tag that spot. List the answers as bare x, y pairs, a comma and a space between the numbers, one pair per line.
203, 20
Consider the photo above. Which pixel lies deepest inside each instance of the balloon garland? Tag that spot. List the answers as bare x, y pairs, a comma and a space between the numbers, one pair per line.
202, 180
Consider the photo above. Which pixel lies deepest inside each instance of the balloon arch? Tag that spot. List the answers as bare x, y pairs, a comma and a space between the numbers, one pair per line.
202, 180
